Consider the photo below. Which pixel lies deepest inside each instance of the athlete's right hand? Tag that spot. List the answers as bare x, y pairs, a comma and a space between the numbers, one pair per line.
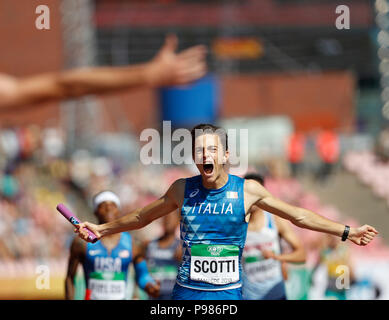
268, 254
153, 289
83, 233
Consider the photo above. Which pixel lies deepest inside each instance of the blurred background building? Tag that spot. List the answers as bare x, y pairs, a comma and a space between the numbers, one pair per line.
276, 67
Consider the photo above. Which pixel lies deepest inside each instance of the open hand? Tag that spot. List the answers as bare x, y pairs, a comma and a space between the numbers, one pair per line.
152, 289
169, 68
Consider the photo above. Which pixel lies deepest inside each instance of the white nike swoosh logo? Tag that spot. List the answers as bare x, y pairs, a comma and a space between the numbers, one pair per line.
94, 252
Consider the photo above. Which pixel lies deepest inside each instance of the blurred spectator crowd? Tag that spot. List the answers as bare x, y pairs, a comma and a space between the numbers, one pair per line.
370, 170
37, 173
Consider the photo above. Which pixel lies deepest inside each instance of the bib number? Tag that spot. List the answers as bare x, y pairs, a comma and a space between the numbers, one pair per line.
215, 264
259, 270
104, 287
164, 272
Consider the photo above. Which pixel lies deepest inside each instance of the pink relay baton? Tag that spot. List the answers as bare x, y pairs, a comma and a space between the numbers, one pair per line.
74, 221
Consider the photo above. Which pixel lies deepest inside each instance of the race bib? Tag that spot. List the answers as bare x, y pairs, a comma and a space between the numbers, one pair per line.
258, 269
164, 272
107, 286
215, 264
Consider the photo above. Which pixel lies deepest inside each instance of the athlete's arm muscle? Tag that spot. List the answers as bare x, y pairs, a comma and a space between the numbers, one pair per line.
256, 194
139, 218
77, 255
69, 84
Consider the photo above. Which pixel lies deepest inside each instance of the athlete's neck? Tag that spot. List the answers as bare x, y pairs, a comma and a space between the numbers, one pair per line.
220, 181
113, 238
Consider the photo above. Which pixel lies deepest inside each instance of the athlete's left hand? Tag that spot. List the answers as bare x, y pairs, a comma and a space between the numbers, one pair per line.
152, 289
362, 235
267, 254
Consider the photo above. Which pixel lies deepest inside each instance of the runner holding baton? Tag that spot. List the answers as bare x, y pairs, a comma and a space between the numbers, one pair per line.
74, 221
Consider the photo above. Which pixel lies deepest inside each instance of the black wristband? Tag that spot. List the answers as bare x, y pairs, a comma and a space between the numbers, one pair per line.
345, 233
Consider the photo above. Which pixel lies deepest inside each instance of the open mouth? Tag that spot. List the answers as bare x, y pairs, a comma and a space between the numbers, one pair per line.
208, 168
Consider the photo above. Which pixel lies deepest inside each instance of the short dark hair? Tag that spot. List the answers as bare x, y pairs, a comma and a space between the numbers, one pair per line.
256, 177
210, 128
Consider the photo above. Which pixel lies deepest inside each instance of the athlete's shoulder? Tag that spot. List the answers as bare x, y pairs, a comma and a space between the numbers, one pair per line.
252, 185
193, 179
254, 191
78, 242
177, 187
179, 183
78, 246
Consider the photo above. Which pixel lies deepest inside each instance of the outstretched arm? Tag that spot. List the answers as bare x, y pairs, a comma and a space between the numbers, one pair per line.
166, 68
304, 218
140, 217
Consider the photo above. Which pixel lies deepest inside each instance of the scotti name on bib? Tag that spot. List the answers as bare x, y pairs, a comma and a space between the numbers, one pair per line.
215, 264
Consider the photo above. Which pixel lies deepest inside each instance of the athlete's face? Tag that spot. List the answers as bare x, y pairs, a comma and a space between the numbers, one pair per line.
210, 156
107, 211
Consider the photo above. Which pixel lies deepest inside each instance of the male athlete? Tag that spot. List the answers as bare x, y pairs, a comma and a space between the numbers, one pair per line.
214, 214
106, 262
163, 256
165, 69
262, 259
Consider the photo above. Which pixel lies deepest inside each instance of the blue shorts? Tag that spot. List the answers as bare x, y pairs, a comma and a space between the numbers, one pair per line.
182, 293
262, 291
163, 296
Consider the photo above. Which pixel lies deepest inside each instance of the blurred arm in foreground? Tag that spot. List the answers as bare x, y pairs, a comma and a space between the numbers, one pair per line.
165, 69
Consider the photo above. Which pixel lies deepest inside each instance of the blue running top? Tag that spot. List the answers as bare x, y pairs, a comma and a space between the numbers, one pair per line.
106, 274
213, 233
163, 266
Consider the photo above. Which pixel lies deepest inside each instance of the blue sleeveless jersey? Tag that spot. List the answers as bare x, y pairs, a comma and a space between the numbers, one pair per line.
213, 233
106, 274
163, 266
